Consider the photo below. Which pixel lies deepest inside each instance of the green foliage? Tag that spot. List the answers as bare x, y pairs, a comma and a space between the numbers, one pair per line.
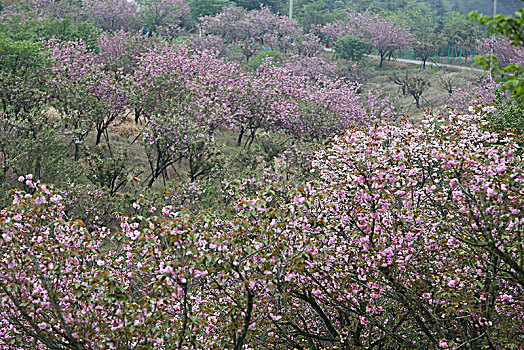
351, 47
43, 154
421, 19
22, 75
510, 118
19, 57
109, 168
313, 14
377, 6
5, 194
271, 145
201, 8
505, 7
510, 27
28, 26
67, 30
459, 31
256, 61
274, 5
162, 15
30, 144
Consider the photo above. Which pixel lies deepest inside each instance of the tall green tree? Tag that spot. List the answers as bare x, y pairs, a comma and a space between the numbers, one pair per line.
351, 47
461, 32
312, 15
23, 75
426, 26
201, 8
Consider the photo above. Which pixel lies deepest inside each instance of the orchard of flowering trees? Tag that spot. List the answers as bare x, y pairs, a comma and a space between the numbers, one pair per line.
160, 190
409, 236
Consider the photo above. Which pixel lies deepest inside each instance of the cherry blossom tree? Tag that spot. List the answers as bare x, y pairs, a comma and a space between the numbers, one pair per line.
98, 304
504, 51
414, 271
167, 18
252, 30
120, 51
89, 97
483, 93
308, 45
112, 15
56, 8
384, 34
403, 238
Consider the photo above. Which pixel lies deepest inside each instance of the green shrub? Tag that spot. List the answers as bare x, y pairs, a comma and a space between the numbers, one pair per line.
351, 47
256, 61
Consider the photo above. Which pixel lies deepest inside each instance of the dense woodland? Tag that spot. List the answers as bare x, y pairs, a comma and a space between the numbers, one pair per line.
211, 174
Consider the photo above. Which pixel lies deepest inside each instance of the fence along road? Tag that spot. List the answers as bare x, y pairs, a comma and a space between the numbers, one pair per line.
428, 62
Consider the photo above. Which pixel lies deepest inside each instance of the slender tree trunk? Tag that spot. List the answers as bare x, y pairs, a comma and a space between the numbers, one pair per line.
137, 116
99, 133
240, 135
239, 343
153, 179
4, 164
38, 168
77, 151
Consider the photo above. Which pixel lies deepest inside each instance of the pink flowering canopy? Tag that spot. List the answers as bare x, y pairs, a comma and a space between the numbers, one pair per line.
503, 50
409, 235
384, 34
112, 15
90, 97
252, 30
296, 211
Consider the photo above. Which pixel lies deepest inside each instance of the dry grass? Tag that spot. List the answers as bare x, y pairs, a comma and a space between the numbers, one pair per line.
434, 98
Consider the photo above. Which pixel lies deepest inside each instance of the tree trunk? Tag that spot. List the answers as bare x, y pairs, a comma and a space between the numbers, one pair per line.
77, 151
152, 181
239, 140
99, 133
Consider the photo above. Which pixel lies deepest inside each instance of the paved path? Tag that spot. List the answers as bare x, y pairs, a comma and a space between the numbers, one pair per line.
428, 63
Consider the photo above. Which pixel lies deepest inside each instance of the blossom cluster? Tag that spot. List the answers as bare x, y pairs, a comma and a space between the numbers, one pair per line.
409, 235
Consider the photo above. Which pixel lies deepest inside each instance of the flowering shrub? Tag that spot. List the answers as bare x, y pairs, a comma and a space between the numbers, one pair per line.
312, 67
111, 15
484, 94
427, 222
89, 97
395, 236
60, 285
383, 34
410, 236
503, 49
